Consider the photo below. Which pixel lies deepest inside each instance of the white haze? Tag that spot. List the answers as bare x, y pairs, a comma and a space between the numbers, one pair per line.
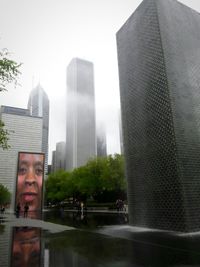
46, 34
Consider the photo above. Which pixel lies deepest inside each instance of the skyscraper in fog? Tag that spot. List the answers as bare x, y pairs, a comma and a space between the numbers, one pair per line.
101, 141
38, 105
80, 132
60, 158
159, 70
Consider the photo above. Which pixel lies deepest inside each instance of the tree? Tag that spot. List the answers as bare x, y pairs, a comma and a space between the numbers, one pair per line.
57, 186
5, 195
9, 72
3, 136
111, 180
101, 178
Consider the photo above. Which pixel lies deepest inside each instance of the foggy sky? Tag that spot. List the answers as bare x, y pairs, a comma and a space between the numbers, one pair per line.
46, 34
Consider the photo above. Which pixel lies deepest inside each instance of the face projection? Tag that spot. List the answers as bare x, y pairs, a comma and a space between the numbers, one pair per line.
29, 181
26, 247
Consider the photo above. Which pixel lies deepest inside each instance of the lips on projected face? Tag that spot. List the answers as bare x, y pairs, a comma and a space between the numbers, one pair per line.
29, 197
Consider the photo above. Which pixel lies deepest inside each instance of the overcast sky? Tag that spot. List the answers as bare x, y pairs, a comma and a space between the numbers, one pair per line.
46, 34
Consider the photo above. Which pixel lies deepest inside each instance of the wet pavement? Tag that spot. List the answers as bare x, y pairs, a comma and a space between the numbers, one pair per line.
92, 239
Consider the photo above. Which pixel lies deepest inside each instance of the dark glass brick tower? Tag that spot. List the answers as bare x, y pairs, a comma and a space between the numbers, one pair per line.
159, 69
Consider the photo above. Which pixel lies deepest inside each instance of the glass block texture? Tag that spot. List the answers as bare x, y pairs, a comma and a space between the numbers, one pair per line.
160, 115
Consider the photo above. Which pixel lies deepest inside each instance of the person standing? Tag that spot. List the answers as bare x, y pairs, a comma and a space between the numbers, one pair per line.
18, 208
26, 208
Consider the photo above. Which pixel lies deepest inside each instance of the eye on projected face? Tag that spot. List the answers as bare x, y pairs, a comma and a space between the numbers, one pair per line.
30, 180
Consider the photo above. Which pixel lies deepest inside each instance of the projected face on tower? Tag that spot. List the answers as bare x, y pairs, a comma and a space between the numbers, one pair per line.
30, 180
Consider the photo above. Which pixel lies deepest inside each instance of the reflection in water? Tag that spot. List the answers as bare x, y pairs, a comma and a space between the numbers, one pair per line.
85, 220
26, 247
26, 242
84, 249
93, 245
29, 214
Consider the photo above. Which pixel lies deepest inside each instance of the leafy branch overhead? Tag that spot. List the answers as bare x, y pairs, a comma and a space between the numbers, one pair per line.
9, 70
4, 136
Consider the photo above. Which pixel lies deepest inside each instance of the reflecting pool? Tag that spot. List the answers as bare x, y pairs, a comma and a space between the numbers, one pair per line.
93, 239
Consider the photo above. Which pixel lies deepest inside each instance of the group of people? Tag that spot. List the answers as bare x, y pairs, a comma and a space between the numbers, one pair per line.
120, 205
18, 210
80, 206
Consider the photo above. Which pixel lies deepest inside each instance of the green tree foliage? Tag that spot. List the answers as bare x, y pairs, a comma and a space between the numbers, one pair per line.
9, 72
5, 195
56, 186
101, 178
3, 136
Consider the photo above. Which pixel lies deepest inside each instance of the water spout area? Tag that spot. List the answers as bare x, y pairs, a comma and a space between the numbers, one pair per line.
93, 239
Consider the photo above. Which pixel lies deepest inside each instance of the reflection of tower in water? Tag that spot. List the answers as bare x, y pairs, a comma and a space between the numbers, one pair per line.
26, 247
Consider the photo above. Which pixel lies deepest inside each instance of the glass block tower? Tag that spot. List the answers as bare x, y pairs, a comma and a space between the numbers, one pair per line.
159, 72
38, 105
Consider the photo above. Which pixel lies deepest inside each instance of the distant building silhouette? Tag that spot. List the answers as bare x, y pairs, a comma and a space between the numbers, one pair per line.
80, 132
38, 105
60, 156
159, 70
49, 169
101, 141
53, 162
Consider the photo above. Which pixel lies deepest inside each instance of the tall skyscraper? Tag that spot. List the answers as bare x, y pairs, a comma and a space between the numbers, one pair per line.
38, 105
101, 141
159, 70
60, 158
80, 132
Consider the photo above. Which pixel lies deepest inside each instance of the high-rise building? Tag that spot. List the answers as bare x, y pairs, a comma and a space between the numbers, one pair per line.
25, 134
80, 132
60, 158
53, 161
101, 141
159, 70
38, 105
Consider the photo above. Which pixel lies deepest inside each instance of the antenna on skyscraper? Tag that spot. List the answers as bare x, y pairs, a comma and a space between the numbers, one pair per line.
31, 105
32, 81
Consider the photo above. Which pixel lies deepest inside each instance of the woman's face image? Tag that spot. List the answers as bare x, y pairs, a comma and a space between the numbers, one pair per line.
30, 179
26, 247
